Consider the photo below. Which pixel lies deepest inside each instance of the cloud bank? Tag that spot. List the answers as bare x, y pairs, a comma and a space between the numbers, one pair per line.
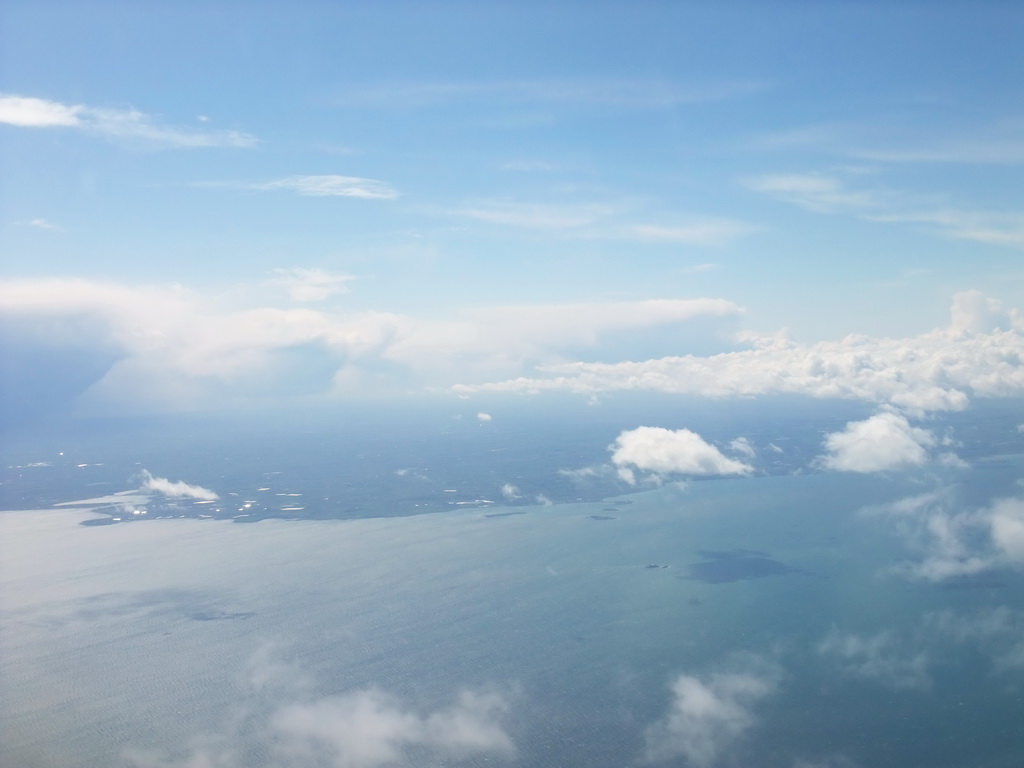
980, 354
117, 346
126, 124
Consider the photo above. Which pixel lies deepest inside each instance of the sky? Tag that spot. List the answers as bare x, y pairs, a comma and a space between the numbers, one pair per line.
210, 205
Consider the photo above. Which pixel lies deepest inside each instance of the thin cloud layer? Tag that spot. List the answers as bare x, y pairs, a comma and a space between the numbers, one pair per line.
706, 717
367, 729
951, 541
126, 124
668, 452
280, 722
311, 285
879, 658
833, 193
605, 221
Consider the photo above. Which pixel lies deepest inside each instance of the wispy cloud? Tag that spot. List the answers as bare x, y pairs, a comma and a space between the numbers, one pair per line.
328, 186
619, 92
605, 221
708, 716
44, 224
952, 540
998, 143
124, 124
544, 216
880, 658
304, 284
814, 191
833, 193
177, 489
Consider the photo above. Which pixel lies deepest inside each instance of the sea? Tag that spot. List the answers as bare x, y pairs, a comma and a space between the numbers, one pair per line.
469, 583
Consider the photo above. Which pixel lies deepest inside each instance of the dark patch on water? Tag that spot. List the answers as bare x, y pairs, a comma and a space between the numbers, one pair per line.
503, 514
603, 517
723, 567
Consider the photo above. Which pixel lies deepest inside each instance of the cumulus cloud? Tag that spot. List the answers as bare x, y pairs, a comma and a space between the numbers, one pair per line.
126, 124
880, 658
706, 717
666, 451
483, 417
981, 354
884, 442
176, 489
954, 542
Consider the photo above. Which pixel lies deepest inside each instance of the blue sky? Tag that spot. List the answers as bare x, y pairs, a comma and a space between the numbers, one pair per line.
336, 199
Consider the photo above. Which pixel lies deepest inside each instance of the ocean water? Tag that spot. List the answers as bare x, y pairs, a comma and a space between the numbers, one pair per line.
771, 620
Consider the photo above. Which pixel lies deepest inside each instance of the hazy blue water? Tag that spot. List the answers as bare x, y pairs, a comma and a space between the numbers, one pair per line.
151, 635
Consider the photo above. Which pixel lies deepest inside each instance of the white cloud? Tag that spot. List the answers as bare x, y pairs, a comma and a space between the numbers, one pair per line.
28, 112
666, 451
706, 717
938, 370
329, 186
884, 442
880, 658
483, 417
176, 489
304, 284
127, 124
